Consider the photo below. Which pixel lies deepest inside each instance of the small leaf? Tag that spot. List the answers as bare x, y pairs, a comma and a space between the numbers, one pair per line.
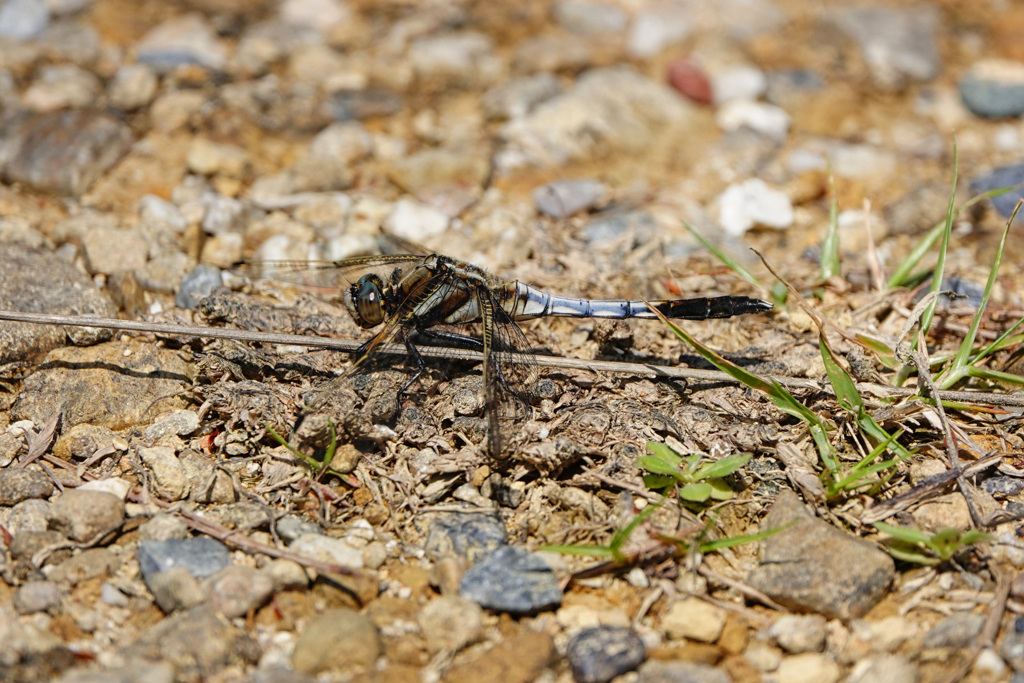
695, 493
902, 533
720, 490
584, 550
658, 481
663, 452
723, 467
658, 466
909, 555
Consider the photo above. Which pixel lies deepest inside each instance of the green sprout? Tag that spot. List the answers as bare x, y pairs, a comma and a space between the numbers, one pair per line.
319, 467
918, 547
694, 482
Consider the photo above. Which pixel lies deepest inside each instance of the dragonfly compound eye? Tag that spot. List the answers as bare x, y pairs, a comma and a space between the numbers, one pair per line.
365, 301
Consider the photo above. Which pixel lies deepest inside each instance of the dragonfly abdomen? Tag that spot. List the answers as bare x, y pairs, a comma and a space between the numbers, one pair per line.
531, 302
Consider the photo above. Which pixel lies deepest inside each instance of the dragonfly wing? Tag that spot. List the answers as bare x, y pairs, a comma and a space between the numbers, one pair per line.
509, 373
328, 274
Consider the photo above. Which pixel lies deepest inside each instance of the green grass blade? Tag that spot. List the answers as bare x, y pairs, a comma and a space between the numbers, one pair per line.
901, 275
926, 319
580, 549
830, 245
732, 542
842, 383
725, 258
994, 375
1004, 341
904, 534
964, 352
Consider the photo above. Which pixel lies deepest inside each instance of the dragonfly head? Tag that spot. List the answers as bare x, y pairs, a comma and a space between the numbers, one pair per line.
365, 301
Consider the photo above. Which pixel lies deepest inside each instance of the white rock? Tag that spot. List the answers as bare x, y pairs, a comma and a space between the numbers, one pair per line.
586, 18
133, 86
808, 668
346, 140
23, 19
119, 487
989, 665
321, 15
414, 221
764, 118
695, 619
799, 633
740, 82
750, 203
655, 29
327, 549
763, 656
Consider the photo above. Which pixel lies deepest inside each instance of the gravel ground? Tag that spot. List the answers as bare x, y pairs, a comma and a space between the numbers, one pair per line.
154, 529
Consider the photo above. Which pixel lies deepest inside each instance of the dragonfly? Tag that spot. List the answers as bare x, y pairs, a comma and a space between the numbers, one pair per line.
427, 298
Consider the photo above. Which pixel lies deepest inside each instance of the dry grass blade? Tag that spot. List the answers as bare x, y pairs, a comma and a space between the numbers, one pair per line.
40, 443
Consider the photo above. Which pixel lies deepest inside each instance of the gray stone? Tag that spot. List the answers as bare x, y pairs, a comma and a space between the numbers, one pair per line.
339, 640
175, 589
450, 623
518, 97
17, 485
898, 45
89, 564
163, 527
113, 250
454, 60
586, 18
286, 575
29, 515
290, 527
1003, 176
27, 543
36, 596
37, 281
201, 556
468, 535
169, 481
235, 591
188, 39
198, 643
670, 671
110, 595
135, 671
511, 580
1011, 648
164, 273
64, 86
994, 88
197, 285
813, 566
599, 654
563, 198
327, 549
132, 87
81, 515
800, 633
63, 151
1003, 487
957, 631
180, 422
23, 19
614, 108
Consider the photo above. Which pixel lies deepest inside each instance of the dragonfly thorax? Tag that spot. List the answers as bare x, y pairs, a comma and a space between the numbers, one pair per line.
365, 301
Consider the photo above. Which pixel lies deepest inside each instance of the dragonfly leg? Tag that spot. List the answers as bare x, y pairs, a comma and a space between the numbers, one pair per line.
420, 366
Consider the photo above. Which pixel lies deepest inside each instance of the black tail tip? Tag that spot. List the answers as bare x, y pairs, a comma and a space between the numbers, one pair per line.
759, 305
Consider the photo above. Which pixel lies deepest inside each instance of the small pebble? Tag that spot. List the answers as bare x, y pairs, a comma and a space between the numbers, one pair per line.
690, 79
750, 203
337, 551
738, 83
671, 671
187, 39
450, 623
23, 19
511, 580
110, 595
888, 668
563, 198
180, 422
163, 527
286, 575
20, 484
657, 28
694, 619
81, 515
197, 285
175, 589
36, 596
201, 556
414, 221
132, 87
994, 88
799, 633
235, 590
599, 654
338, 640
766, 119
467, 535
586, 18
808, 668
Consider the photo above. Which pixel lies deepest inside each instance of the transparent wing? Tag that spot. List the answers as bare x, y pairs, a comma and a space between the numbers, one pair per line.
510, 374
328, 274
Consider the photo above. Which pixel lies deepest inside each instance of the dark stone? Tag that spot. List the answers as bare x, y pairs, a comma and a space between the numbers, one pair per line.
202, 556
600, 654
512, 580
1004, 176
469, 535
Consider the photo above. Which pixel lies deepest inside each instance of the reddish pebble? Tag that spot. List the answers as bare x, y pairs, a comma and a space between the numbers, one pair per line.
686, 76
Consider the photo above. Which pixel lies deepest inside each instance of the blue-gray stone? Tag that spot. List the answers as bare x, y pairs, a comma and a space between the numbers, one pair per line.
466, 534
198, 284
23, 19
599, 654
992, 97
1004, 176
563, 198
967, 293
512, 580
1002, 486
614, 227
201, 556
